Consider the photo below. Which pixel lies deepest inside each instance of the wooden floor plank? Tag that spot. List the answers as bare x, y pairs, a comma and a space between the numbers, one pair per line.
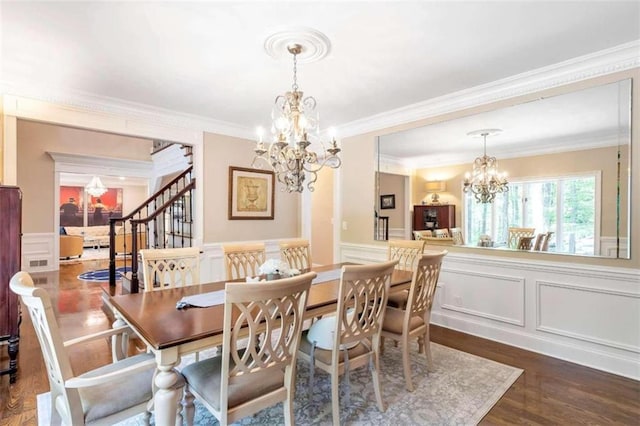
550, 391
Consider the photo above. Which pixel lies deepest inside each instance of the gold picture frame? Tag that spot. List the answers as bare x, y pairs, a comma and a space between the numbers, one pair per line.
251, 193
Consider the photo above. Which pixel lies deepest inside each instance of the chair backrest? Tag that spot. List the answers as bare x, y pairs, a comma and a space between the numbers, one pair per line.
456, 234
516, 233
537, 245
296, 253
525, 243
423, 286
271, 314
406, 252
441, 233
545, 243
363, 288
420, 235
243, 260
172, 267
38, 303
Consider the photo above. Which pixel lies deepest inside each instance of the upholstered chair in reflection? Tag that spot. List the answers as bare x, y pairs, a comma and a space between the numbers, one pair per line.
105, 395
456, 234
413, 321
351, 339
296, 254
240, 382
243, 260
441, 233
172, 267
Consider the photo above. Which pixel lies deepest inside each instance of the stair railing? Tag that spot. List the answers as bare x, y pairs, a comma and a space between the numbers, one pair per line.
146, 226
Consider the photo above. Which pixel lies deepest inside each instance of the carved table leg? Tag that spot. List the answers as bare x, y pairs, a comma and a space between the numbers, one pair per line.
167, 398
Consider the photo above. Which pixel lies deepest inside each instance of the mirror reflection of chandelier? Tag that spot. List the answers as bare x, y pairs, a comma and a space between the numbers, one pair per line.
485, 181
294, 123
95, 187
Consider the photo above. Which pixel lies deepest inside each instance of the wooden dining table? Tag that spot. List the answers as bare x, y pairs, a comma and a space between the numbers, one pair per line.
170, 332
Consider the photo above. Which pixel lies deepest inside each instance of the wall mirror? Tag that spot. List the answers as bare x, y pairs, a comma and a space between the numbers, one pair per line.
568, 162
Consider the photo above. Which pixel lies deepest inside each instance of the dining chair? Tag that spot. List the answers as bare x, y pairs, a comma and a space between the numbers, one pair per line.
105, 395
243, 260
515, 234
296, 253
351, 338
525, 242
171, 267
441, 233
420, 235
456, 234
406, 252
239, 382
537, 245
413, 321
547, 239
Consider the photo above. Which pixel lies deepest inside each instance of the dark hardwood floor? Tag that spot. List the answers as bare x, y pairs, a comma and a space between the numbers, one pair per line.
550, 391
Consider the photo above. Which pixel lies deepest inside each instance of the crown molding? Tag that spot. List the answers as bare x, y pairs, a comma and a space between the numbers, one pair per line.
119, 107
619, 58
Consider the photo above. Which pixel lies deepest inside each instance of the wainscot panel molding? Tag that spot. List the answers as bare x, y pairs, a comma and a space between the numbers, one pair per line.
396, 234
580, 313
38, 252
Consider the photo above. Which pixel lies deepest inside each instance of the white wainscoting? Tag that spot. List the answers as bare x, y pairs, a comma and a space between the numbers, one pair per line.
38, 252
581, 313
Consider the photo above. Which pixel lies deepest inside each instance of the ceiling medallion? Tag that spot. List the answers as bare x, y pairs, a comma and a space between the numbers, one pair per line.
315, 45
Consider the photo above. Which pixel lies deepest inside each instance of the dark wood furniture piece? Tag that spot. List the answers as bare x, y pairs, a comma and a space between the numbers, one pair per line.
170, 332
428, 218
10, 255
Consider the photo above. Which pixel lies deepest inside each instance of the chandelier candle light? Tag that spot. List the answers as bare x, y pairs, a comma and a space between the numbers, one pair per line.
485, 181
294, 123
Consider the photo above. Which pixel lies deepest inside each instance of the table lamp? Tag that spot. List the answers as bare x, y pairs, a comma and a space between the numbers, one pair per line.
433, 187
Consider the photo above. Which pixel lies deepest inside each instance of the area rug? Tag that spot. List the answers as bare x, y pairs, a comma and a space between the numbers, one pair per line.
88, 254
460, 390
102, 275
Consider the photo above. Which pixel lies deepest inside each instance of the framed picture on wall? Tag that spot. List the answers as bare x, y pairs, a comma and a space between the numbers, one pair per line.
251, 193
388, 201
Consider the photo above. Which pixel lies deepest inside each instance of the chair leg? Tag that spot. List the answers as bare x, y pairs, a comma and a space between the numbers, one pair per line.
406, 362
381, 345
375, 374
189, 408
288, 408
335, 395
427, 349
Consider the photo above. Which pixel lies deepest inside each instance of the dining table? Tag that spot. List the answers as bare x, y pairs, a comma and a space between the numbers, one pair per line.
169, 332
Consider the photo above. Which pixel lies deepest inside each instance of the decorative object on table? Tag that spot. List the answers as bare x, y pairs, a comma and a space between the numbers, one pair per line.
295, 121
251, 193
274, 269
388, 201
433, 187
485, 181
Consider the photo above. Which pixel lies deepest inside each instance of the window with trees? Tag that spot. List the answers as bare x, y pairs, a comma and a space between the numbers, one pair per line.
566, 205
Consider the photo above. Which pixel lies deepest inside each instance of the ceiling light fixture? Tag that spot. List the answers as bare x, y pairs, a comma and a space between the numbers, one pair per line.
485, 181
95, 187
294, 123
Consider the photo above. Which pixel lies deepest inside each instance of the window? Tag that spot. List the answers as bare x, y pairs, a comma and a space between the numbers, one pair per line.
566, 205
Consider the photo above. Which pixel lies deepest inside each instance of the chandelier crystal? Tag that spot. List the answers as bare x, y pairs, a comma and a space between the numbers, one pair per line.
295, 122
485, 181
95, 187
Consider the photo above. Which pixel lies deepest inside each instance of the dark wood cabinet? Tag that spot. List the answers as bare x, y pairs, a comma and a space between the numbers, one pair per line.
10, 255
433, 217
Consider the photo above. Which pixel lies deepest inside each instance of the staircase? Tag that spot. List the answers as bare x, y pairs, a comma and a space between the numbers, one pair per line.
164, 220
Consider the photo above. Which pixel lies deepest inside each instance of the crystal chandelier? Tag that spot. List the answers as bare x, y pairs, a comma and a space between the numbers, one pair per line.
485, 181
294, 122
95, 187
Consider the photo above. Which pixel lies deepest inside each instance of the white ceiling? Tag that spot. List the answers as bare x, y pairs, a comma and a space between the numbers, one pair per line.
207, 58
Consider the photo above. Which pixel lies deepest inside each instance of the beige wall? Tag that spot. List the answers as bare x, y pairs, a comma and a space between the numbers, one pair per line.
359, 164
36, 168
322, 219
394, 184
220, 152
600, 159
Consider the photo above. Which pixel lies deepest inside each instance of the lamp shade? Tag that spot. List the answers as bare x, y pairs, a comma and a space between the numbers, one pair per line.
435, 186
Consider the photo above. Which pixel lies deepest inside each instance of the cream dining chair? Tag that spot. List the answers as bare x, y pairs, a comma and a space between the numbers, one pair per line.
441, 233
241, 382
515, 233
351, 338
456, 234
243, 260
407, 253
169, 268
105, 395
413, 321
296, 254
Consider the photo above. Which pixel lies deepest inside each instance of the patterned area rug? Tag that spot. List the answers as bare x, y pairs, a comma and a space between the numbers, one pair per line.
460, 391
102, 275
